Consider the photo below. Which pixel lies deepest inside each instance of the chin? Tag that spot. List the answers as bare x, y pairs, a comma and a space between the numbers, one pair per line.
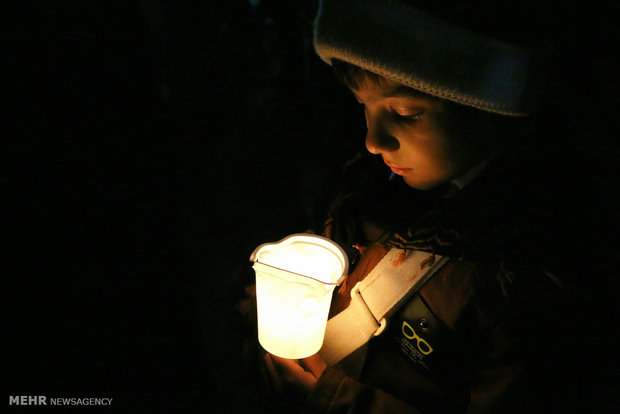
420, 185
424, 185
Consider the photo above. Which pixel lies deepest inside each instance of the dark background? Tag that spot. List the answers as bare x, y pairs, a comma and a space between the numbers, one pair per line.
158, 143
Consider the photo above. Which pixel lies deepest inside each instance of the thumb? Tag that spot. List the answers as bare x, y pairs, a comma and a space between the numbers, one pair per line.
315, 364
274, 376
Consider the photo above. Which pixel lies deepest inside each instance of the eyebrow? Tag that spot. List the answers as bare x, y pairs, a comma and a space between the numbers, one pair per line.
403, 91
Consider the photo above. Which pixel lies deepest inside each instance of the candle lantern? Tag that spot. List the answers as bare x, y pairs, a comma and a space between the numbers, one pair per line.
295, 279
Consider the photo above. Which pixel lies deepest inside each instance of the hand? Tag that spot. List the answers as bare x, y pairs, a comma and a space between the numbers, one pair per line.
247, 306
295, 377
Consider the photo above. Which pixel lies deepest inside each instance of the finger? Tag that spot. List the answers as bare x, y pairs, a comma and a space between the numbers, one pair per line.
292, 375
286, 366
315, 364
273, 373
250, 290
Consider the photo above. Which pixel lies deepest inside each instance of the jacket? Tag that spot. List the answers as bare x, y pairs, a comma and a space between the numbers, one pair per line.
494, 331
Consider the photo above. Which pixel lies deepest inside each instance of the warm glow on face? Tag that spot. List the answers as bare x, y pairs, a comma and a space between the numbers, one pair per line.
409, 130
295, 279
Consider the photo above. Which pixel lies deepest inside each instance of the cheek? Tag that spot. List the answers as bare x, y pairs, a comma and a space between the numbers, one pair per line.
448, 150
435, 150
432, 148
455, 141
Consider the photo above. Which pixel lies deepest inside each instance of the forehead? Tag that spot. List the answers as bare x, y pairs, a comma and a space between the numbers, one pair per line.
377, 88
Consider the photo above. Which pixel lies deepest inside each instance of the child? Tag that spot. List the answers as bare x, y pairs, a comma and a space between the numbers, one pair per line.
455, 117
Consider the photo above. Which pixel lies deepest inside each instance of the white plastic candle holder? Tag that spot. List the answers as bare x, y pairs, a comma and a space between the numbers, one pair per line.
295, 279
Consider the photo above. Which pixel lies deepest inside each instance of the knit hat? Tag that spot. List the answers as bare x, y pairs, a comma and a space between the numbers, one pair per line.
397, 41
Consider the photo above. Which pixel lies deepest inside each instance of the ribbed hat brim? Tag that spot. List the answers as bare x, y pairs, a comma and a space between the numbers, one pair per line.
399, 42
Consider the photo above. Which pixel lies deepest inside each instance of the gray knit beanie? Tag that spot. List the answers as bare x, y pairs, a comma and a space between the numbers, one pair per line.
397, 41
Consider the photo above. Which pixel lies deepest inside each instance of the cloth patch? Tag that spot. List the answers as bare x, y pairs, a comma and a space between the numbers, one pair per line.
420, 335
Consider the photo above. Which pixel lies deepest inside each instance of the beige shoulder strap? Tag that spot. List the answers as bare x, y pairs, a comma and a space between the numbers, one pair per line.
393, 280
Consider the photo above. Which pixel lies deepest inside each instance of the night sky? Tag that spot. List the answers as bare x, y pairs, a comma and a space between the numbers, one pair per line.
158, 143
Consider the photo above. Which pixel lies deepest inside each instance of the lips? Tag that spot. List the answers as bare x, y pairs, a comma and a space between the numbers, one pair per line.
396, 169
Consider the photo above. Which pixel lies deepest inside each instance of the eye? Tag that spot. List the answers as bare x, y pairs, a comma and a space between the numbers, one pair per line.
406, 117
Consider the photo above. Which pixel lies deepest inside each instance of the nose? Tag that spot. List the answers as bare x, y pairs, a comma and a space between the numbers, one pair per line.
378, 139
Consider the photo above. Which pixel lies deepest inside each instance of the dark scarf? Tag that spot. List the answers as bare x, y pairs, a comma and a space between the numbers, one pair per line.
507, 214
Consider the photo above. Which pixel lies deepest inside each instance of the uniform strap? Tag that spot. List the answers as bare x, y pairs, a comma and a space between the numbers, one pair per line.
393, 280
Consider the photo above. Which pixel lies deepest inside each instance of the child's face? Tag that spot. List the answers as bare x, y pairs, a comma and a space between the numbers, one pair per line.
410, 131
